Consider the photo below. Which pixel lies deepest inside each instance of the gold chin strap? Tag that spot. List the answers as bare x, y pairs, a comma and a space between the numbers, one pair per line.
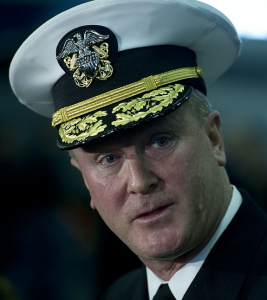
130, 90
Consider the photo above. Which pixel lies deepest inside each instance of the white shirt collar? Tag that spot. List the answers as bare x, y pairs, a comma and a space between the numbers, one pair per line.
182, 279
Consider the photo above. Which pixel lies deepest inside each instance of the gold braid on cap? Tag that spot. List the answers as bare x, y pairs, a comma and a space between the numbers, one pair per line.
130, 90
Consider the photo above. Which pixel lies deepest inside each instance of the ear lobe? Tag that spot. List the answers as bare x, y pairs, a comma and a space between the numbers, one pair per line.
214, 133
92, 204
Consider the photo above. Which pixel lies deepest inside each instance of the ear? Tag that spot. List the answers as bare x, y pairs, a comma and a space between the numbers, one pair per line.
213, 129
92, 204
75, 163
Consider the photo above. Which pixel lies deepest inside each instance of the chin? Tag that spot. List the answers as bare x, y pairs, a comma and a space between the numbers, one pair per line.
159, 254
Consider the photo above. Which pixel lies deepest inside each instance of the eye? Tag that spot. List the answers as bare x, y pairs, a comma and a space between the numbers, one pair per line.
160, 146
161, 141
109, 159
108, 164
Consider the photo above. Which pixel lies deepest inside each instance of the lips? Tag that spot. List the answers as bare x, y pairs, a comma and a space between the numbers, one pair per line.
152, 213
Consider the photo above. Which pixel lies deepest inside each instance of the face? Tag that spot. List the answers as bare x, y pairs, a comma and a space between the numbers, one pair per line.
159, 186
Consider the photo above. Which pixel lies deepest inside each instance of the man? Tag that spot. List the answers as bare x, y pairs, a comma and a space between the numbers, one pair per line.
126, 84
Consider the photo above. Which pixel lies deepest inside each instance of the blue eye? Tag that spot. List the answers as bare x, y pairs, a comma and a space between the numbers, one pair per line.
111, 158
161, 142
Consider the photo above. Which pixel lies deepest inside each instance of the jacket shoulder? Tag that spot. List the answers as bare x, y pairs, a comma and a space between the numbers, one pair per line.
131, 285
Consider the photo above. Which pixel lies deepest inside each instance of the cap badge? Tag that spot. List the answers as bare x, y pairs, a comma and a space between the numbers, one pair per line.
87, 60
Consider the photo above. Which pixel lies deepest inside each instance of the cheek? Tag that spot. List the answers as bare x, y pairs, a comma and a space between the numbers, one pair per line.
182, 169
106, 195
189, 177
101, 190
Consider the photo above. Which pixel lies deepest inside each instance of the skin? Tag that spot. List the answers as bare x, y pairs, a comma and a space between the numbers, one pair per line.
161, 187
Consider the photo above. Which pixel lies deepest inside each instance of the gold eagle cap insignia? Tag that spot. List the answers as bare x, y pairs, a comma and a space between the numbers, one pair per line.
85, 59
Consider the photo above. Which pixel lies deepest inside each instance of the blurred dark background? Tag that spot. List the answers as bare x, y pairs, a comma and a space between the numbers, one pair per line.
52, 246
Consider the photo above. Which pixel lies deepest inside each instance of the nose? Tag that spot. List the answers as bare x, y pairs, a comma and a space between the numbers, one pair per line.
141, 179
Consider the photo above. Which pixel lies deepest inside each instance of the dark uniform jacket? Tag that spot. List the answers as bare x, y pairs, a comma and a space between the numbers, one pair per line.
236, 267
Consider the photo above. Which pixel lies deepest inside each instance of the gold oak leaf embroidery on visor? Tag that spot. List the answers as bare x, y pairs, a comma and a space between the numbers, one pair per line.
150, 103
81, 128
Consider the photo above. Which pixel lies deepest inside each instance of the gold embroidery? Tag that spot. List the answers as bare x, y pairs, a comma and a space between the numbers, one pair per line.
70, 62
81, 79
144, 85
81, 128
150, 103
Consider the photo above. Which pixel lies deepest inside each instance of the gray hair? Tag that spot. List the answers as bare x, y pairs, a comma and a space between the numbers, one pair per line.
200, 105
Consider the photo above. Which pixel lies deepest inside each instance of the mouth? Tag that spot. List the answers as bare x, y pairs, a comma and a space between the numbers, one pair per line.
152, 214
